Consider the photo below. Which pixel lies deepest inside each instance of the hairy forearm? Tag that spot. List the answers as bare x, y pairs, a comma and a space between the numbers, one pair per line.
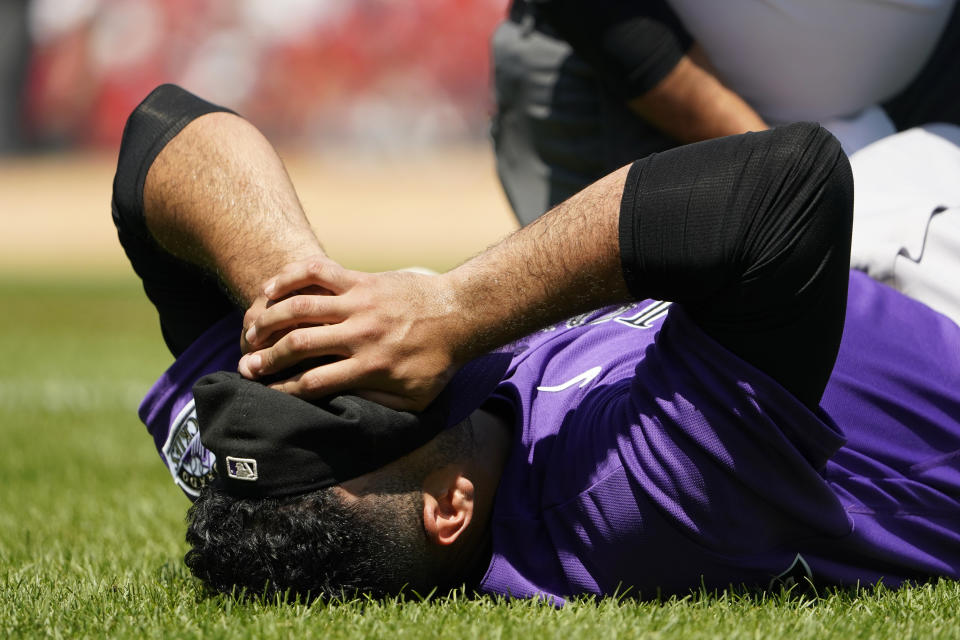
566, 262
696, 225
218, 196
690, 104
398, 337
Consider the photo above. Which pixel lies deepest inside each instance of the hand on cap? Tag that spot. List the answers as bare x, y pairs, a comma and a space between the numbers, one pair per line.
392, 334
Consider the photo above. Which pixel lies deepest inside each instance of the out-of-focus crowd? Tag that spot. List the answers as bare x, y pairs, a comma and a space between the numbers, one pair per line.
576, 88
367, 72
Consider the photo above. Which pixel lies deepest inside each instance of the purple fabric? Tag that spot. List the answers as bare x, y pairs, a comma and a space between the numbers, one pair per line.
678, 465
648, 459
168, 409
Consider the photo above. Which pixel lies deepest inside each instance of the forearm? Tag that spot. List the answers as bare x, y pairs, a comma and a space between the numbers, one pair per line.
690, 104
215, 195
750, 233
564, 263
219, 196
642, 53
402, 335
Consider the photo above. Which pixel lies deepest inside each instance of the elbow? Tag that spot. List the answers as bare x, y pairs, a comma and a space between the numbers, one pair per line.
151, 125
813, 178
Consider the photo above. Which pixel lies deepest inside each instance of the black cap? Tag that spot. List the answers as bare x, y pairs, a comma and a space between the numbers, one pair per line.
269, 443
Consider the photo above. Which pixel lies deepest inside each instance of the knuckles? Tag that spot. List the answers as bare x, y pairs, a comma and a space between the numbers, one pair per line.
315, 269
368, 332
301, 306
379, 363
298, 341
311, 381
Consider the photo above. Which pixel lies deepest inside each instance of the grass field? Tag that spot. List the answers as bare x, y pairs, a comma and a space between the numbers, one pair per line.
91, 528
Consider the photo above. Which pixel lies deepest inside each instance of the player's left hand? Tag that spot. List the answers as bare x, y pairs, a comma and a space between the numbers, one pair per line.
256, 309
261, 304
393, 335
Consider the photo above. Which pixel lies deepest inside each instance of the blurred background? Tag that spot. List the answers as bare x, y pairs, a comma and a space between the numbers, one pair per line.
353, 92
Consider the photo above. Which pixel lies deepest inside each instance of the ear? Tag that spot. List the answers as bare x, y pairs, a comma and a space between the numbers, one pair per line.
447, 505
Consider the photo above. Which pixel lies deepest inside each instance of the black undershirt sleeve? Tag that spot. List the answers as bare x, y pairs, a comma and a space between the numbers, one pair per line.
751, 234
632, 46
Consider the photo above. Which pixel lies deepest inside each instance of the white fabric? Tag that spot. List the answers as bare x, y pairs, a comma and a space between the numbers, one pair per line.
815, 59
856, 132
906, 224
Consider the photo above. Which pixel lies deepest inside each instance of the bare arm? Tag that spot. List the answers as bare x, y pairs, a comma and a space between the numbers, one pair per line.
642, 52
691, 104
749, 233
218, 196
565, 263
401, 335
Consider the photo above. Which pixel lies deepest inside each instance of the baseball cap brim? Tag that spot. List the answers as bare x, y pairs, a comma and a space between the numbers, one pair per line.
271, 444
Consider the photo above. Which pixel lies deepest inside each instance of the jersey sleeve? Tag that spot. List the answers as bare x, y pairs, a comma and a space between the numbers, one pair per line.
631, 45
751, 234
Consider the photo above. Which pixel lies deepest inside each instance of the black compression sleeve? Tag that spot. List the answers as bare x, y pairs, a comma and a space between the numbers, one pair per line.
751, 234
631, 45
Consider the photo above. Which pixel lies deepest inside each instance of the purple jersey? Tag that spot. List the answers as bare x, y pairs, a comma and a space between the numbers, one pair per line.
168, 409
648, 457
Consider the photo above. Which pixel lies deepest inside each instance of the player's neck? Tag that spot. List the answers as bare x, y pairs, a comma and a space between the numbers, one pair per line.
493, 437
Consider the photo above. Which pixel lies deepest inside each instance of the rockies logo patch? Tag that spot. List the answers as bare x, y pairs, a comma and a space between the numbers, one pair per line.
190, 463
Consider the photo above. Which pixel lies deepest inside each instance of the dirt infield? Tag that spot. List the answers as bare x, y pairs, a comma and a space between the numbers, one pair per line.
434, 209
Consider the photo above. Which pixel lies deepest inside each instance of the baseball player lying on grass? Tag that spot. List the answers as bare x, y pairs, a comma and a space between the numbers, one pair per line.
671, 380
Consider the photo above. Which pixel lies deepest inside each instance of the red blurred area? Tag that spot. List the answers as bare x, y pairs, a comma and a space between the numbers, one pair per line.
305, 72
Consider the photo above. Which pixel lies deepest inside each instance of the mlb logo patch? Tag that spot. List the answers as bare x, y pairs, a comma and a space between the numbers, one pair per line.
241, 468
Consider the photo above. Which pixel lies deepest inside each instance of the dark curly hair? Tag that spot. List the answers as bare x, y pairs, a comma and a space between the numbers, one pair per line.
307, 546
319, 545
